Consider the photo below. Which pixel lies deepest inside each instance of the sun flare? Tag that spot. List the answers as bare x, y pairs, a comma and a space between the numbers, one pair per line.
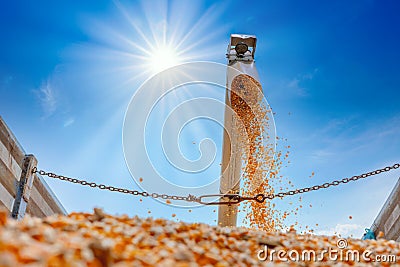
163, 58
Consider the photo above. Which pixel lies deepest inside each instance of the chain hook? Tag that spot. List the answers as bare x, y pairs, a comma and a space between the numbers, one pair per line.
232, 199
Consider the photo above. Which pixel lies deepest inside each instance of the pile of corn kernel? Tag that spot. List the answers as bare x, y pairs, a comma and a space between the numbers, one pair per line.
99, 239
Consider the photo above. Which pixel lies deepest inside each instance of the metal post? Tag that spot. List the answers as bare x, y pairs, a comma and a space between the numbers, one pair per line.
240, 55
24, 187
230, 180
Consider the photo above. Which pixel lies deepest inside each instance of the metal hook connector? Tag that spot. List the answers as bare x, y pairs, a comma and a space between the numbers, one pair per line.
231, 199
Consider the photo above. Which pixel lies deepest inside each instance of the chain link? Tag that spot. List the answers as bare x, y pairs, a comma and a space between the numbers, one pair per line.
262, 197
225, 199
189, 198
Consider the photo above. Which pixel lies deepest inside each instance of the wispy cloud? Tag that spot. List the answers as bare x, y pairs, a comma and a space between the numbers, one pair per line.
349, 135
321, 155
5, 81
69, 122
343, 230
47, 98
295, 83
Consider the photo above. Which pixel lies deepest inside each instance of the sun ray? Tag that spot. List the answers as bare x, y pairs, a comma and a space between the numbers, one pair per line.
165, 46
169, 34
193, 30
121, 8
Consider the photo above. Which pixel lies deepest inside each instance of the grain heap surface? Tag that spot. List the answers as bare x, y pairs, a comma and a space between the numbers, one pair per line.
83, 239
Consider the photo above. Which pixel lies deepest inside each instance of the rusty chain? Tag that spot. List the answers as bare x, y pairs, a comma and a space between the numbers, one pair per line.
189, 198
225, 199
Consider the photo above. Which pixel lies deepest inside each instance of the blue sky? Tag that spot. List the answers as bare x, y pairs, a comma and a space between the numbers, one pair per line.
329, 70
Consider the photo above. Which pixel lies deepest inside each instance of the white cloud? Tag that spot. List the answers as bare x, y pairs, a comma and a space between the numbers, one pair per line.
68, 122
295, 83
310, 75
321, 154
7, 80
343, 230
47, 98
338, 137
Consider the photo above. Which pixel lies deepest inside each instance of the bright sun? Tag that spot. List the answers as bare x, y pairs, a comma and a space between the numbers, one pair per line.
163, 58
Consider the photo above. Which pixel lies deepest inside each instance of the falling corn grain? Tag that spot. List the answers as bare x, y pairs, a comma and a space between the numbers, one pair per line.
261, 162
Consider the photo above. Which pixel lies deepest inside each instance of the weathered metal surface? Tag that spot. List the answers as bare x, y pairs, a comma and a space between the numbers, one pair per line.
44, 198
14, 149
231, 158
6, 199
22, 191
8, 180
24, 187
388, 219
9, 161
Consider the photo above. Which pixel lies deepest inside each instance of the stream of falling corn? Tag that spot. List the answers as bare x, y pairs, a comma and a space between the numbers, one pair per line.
261, 163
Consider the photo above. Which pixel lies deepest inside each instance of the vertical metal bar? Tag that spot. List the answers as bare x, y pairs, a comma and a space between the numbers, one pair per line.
229, 184
231, 157
24, 187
